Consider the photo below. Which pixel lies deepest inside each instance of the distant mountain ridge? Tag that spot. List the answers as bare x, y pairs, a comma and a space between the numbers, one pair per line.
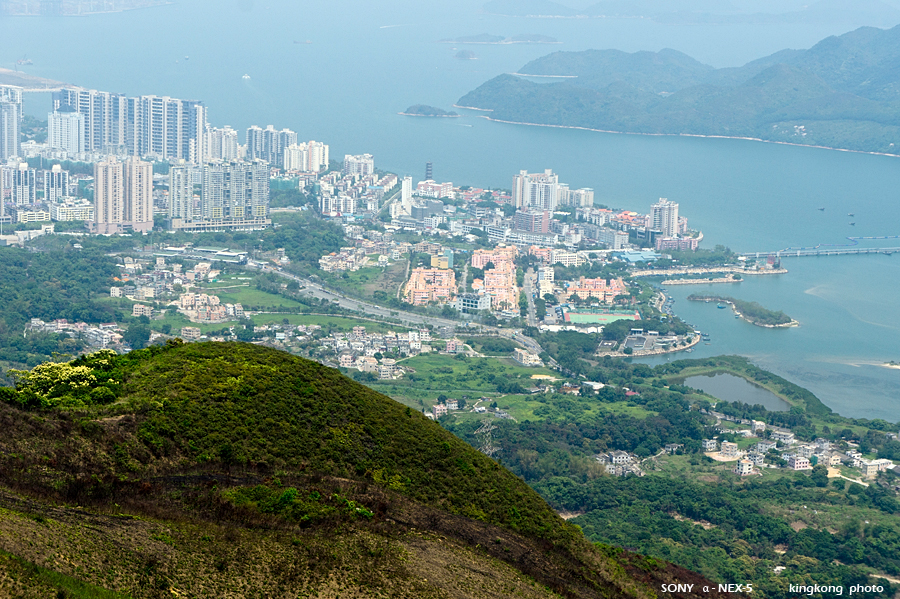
844, 92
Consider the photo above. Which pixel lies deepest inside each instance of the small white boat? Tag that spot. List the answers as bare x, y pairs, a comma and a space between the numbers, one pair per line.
245, 77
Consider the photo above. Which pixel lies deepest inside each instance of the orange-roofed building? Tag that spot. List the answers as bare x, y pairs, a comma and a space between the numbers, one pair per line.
599, 288
499, 255
430, 285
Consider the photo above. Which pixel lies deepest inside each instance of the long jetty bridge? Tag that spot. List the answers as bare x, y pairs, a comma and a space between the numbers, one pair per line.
827, 249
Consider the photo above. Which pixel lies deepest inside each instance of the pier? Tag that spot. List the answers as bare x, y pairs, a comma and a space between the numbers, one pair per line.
829, 249
801, 252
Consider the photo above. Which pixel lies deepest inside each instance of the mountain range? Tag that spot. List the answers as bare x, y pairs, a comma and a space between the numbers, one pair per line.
844, 92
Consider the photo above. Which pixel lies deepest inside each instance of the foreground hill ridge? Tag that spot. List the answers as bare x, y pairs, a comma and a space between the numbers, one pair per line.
222, 469
844, 92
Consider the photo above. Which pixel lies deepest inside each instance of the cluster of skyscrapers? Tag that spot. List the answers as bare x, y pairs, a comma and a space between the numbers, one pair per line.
214, 181
543, 191
156, 127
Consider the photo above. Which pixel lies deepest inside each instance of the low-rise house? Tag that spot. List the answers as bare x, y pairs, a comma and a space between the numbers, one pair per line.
758, 459
786, 437
190, 333
729, 449
765, 446
526, 358
744, 467
709, 444
618, 457
799, 463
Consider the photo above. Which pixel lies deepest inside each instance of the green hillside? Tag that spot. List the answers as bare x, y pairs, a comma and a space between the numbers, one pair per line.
844, 92
231, 470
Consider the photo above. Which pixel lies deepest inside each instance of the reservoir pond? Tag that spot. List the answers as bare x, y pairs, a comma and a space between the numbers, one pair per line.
728, 387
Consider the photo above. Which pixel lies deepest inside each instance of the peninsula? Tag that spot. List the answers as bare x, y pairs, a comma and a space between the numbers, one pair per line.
26, 81
788, 97
425, 110
752, 312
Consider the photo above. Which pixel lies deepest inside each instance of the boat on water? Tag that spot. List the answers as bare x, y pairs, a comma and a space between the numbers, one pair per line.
245, 77
849, 214
720, 306
24, 61
822, 209
852, 224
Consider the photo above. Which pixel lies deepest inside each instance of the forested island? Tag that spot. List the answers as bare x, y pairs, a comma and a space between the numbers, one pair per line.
752, 312
425, 110
839, 94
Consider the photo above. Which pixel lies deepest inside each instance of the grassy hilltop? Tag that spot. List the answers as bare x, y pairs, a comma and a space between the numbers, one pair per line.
231, 470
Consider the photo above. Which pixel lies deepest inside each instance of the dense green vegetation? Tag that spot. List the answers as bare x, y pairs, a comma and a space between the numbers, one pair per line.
50, 285
211, 446
839, 93
752, 311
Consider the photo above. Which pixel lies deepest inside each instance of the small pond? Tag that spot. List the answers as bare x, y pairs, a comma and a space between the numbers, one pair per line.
728, 387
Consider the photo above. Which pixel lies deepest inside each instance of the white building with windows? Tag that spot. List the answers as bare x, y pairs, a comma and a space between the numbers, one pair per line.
361, 164
65, 131
536, 190
664, 217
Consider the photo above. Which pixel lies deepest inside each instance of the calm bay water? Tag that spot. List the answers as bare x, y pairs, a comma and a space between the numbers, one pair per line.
367, 62
733, 388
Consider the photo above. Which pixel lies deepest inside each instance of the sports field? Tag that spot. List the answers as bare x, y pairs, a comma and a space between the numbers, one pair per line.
601, 316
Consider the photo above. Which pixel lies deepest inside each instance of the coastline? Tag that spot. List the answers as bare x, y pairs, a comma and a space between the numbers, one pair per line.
891, 365
768, 141
29, 83
707, 270
699, 281
784, 325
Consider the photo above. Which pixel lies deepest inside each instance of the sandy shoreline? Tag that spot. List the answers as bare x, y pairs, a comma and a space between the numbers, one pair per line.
768, 141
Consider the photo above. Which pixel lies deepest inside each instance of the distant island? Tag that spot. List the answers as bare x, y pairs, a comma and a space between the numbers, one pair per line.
841, 93
73, 7
752, 312
466, 55
487, 38
425, 110
863, 12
